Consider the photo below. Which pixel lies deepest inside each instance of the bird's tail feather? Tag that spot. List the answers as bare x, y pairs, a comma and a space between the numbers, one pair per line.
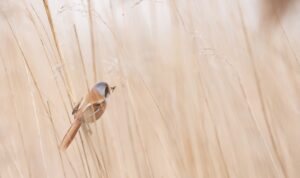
70, 134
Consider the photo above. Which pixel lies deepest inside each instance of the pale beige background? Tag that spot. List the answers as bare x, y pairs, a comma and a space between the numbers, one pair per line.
205, 88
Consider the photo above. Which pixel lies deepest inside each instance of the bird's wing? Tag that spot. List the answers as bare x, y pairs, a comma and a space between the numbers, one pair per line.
92, 105
94, 110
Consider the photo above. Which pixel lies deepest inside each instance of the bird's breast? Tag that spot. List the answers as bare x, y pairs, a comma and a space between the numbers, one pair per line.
94, 96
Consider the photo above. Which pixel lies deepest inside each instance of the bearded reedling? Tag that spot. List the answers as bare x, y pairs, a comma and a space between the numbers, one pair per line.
89, 109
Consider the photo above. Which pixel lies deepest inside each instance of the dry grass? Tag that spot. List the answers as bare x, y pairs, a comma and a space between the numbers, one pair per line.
204, 88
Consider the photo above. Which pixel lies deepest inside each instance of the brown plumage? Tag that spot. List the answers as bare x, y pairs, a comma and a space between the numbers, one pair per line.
89, 109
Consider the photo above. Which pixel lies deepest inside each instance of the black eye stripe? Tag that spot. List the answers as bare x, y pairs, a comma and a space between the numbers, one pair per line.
106, 91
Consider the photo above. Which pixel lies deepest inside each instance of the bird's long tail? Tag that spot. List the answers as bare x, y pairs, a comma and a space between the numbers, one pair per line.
70, 134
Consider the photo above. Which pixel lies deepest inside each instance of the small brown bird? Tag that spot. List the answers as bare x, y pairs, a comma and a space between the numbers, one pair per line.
89, 109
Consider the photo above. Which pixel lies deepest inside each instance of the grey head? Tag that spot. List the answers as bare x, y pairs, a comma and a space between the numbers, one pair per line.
104, 89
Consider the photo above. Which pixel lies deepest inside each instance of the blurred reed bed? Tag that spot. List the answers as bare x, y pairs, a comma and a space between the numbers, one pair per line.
204, 88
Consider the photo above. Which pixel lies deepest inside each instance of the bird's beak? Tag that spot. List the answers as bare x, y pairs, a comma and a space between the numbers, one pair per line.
112, 88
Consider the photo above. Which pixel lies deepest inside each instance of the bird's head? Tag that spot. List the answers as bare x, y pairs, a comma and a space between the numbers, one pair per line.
104, 89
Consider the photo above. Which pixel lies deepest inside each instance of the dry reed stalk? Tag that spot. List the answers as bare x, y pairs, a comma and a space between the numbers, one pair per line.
142, 143
250, 110
10, 85
260, 92
91, 24
214, 123
59, 90
43, 26
26, 63
68, 88
119, 55
81, 58
61, 60
56, 139
176, 11
166, 125
292, 74
10, 154
85, 155
128, 95
95, 157
133, 105
17, 168
86, 81
227, 173
31, 74
37, 120
84, 71
139, 135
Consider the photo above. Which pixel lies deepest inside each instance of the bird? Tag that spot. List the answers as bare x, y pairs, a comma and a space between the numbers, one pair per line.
89, 109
